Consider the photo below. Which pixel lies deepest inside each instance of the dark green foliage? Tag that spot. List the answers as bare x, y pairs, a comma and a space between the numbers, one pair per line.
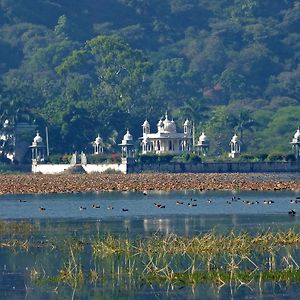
148, 158
103, 158
275, 156
195, 158
58, 159
165, 158
96, 66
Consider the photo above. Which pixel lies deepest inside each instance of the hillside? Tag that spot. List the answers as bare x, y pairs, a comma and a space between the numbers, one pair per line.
95, 66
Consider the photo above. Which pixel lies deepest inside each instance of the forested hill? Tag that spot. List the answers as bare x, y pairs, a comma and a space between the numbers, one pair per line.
83, 67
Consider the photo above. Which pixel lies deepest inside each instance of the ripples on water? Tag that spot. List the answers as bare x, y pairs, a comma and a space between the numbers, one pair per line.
135, 215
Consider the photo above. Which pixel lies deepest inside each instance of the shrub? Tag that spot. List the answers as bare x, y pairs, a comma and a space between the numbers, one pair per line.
165, 158
262, 156
275, 156
55, 159
247, 157
290, 157
185, 157
4, 159
98, 158
194, 158
148, 158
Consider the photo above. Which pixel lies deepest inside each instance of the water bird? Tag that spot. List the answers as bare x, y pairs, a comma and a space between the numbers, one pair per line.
95, 206
297, 197
228, 202
124, 209
292, 212
162, 206
209, 201
192, 205
110, 207
82, 208
42, 208
179, 202
268, 201
22, 201
158, 205
145, 193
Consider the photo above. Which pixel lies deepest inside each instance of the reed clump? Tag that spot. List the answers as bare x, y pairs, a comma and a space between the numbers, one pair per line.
24, 228
206, 244
209, 257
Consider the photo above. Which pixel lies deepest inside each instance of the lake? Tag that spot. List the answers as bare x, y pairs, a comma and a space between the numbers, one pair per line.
86, 216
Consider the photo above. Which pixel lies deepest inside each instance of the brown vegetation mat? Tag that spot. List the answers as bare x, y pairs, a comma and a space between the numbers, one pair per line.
67, 183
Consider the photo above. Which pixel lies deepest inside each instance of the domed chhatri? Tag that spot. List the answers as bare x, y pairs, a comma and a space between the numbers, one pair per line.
37, 148
127, 146
98, 145
203, 144
166, 139
6, 123
235, 147
37, 139
127, 137
296, 143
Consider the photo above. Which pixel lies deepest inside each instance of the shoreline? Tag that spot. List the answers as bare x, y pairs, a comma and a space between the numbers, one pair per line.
67, 183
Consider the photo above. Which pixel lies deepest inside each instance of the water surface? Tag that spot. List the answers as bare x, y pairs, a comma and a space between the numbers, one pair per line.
63, 219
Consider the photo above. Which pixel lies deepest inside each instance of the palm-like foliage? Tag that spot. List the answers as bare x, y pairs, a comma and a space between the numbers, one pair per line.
241, 122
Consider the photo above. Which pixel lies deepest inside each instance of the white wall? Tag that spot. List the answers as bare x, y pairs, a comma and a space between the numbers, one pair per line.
89, 168
49, 168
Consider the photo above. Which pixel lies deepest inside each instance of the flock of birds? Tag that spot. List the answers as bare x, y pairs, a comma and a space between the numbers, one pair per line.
191, 203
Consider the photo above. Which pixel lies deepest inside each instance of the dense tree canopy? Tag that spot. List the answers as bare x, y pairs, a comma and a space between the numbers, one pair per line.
95, 66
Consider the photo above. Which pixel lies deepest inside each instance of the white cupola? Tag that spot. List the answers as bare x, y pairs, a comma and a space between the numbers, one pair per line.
98, 145
296, 138
37, 148
146, 127
127, 146
160, 126
127, 137
6, 123
296, 144
37, 139
187, 127
167, 124
235, 147
203, 144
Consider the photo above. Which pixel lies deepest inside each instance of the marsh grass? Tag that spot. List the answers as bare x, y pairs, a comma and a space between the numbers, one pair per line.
232, 258
207, 244
12, 228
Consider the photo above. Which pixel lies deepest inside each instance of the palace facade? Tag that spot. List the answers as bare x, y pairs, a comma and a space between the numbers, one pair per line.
166, 139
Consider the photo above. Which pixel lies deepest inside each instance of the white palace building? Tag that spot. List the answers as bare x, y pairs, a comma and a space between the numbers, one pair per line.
166, 139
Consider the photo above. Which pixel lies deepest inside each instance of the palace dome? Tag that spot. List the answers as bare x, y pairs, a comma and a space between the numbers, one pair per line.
203, 138
297, 134
127, 136
98, 140
235, 138
146, 123
169, 126
187, 122
37, 139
